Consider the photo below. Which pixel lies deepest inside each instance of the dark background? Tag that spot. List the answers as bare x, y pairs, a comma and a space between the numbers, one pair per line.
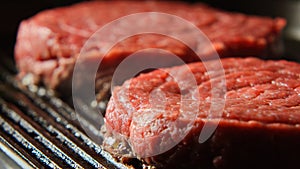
14, 11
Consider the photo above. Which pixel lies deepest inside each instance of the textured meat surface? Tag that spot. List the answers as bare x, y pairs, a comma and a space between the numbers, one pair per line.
259, 126
49, 42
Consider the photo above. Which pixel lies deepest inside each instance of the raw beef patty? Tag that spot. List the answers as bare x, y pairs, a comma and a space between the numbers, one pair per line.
258, 127
49, 42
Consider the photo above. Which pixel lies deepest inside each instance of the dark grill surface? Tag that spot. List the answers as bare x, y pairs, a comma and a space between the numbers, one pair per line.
39, 130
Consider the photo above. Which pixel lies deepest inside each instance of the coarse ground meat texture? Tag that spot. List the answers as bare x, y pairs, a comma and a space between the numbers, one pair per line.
258, 128
49, 42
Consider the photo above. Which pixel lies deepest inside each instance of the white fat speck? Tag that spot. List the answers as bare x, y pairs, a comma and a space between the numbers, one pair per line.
94, 103
102, 105
110, 141
33, 88
41, 92
28, 79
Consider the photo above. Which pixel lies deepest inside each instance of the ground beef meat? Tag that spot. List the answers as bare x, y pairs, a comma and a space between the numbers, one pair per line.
259, 126
49, 42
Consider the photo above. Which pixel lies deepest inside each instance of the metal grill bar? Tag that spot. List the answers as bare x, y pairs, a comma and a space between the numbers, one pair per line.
43, 130
13, 116
26, 145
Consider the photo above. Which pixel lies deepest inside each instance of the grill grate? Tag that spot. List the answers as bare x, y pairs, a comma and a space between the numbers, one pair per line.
42, 131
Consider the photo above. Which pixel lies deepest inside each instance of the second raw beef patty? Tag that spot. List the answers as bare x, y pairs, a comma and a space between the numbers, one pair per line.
258, 128
49, 42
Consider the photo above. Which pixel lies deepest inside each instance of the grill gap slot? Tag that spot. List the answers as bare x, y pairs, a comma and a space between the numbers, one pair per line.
51, 107
25, 146
34, 132
58, 132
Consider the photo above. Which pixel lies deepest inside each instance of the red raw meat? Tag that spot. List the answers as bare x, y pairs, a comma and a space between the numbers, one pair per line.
49, 42
259, 126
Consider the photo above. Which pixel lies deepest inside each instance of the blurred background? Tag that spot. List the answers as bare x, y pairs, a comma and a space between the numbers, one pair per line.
14, 11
